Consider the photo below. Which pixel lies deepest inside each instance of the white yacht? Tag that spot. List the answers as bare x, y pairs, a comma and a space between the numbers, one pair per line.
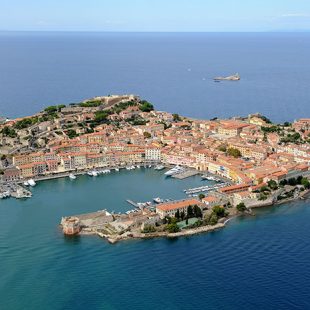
26, 183
158, 200
72, 176
31, 182
174, 170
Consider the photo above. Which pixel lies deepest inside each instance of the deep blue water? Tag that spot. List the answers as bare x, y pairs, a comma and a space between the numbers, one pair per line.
260, 262
39, 69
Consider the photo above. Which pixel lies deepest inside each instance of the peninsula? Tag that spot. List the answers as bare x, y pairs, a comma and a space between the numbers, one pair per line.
251, 161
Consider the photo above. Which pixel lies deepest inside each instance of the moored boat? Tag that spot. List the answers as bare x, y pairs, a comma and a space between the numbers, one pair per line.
31, 182
72, 176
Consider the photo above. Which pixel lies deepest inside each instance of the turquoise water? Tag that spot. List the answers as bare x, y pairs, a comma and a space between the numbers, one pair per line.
259, 262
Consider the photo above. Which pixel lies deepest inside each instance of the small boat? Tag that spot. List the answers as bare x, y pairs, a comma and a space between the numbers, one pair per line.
159, 167
138, 166
32, 182
72, 176
26, 183
235, 77
150, 166
90, 173
116, 169
158, 200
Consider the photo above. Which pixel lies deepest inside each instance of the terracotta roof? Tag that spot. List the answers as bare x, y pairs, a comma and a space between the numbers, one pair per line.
178, 204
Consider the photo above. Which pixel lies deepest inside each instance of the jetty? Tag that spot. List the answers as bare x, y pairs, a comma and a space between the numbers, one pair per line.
205, 188
185, 174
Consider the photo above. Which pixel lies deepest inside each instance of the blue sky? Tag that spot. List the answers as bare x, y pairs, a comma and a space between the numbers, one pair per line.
155, 15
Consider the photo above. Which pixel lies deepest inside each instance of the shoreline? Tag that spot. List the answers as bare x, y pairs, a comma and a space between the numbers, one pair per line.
112, 239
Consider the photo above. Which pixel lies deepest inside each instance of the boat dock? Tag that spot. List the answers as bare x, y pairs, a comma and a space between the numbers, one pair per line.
185, 174
132, 203
202, 189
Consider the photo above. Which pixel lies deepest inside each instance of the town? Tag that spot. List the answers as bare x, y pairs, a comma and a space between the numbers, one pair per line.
259, 163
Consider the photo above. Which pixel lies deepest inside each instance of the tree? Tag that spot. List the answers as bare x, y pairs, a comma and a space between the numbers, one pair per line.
190, 212
211, 219
148, 228
147, 135
201, 196
101, 116
173, 228
177, 214
292, 182
71, 133
197, 211
305, 182
272, 184
146, 106
233, 152
51, 109
9, 132
176, 117
283, 182
222, 148
241, 207
219, 211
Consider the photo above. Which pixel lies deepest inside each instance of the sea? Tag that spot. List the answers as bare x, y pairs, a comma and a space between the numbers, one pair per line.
174, 71
255, 262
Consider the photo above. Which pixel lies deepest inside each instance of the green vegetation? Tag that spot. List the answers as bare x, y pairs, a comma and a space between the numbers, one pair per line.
26, 122
222, 148
148, 229
147, 135
272, 185
219, 211
296, 181
211, 219
176, 117
233, 152
101, 117
193, 211
262, 196
264, 118
136, 120
9, 132
71, 133
201, 196
172, 226
273, 128
241, 207
54, 108
291, 138
90, 104
146, 106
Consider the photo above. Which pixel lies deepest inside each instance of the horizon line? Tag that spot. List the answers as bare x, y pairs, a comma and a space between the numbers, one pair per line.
141, 31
